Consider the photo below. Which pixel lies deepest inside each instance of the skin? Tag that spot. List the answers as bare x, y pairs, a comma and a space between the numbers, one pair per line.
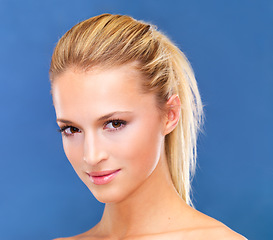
108, 123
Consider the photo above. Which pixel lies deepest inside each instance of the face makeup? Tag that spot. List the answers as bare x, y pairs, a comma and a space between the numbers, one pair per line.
112, 132
103, 177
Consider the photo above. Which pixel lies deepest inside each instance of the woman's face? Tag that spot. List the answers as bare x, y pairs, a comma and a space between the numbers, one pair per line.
113, 134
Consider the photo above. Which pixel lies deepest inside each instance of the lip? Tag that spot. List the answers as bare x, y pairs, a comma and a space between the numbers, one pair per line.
103, 177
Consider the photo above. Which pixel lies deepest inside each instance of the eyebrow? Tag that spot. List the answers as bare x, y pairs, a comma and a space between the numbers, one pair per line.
107, 116
112, 114
63, 121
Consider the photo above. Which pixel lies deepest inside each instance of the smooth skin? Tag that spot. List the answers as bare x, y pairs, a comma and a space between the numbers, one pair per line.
109, 123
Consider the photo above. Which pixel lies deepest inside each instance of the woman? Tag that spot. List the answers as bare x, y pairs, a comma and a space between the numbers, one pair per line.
129, 110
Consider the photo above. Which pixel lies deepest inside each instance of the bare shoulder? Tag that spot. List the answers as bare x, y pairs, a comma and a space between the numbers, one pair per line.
217, 230
222, 233
77, 237
206, 227
62, 238
67, 238
88, 235
211, 233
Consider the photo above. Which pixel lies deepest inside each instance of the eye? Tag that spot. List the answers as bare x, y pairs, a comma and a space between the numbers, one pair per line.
113, 125
69, 130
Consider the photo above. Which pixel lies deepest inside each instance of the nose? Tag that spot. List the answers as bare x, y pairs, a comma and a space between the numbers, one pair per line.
94, 150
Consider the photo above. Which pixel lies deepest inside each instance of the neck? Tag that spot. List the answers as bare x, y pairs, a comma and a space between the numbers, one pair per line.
152, 208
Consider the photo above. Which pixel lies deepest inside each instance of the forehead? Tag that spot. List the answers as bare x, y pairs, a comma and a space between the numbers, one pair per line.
99, 90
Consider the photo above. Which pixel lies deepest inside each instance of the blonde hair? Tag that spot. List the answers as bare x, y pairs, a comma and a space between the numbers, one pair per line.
112, 40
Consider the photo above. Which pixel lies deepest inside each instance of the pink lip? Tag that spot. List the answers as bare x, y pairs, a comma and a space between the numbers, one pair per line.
103, 177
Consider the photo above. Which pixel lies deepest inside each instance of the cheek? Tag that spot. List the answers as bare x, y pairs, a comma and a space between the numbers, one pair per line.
73, 151
147, 150
141, 148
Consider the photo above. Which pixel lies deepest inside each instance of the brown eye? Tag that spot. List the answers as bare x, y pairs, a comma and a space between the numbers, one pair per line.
116, 124
74, 129
69, 130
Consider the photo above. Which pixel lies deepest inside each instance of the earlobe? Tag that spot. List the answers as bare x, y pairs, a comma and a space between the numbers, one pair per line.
173, 107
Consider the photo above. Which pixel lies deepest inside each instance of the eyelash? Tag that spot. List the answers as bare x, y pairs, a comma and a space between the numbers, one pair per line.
116, 121
119, 121
62, 130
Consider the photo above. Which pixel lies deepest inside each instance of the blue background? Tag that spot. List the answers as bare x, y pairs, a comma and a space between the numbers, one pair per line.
230, 45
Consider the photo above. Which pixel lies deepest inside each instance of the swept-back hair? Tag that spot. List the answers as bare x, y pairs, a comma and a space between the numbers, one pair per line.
112, 40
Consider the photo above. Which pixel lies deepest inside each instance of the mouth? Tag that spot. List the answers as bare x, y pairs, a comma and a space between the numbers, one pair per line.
103, 177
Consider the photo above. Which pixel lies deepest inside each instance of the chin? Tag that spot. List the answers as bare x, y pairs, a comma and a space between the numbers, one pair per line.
106, 195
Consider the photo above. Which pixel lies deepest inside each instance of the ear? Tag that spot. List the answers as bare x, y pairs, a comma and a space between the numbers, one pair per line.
173, 108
